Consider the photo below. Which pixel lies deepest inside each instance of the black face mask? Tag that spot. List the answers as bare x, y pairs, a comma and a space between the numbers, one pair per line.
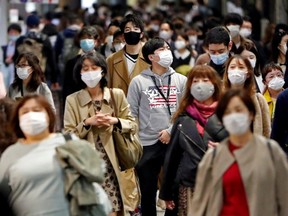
132, 38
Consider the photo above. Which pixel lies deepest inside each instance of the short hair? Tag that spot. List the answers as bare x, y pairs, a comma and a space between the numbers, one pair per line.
269, 67
14, 26
199, 71
42, 101
280, 31
233, 18
117, 33
37, 76
247, 19
90, 31
223, 103
135, 19
33, 21
217, 35
98, 60
249, 83
150, 46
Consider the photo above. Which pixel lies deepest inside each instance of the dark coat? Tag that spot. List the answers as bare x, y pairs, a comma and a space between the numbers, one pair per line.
186, 150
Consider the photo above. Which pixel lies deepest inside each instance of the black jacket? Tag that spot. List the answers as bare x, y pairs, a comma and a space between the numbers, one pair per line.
186, 150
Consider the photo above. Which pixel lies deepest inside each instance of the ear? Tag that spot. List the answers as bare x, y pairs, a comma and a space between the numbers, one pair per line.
141, 35
150, 57
230, 44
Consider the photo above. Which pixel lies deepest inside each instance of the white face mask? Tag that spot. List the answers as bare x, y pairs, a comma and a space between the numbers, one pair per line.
23, 73
179, 44
165, 35
276, 83
237, 123
109, 40
91, 78
193, 39
33, 123
284, 49
234, 30
245, 32
252, 62
166, 58
118, 46
220, 58
236, 76
201, 91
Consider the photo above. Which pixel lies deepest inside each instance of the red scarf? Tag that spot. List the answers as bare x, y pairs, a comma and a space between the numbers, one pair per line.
201, 112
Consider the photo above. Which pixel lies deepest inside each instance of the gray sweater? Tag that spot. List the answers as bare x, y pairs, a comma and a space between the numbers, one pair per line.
149, 107
32, 178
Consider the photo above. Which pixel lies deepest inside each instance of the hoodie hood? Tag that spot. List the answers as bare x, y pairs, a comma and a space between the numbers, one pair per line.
149, 72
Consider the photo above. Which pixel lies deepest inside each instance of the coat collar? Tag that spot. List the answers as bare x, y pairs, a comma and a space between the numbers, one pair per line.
85, 98
224, 159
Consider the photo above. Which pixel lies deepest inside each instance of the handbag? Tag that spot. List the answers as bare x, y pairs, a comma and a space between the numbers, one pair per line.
127, 145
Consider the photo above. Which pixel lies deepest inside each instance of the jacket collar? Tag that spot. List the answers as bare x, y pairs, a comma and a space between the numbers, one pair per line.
85, 98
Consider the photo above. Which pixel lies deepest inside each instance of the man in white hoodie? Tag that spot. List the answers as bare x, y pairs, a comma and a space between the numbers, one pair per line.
154, 95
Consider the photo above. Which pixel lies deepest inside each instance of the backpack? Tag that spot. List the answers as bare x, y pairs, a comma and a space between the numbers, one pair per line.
34, 45
69, 51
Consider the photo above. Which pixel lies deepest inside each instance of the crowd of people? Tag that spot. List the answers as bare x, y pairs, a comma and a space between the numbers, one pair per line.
206, 98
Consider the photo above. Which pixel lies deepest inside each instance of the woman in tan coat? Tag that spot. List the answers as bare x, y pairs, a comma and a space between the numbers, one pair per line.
239, 74
88, 114
246, 174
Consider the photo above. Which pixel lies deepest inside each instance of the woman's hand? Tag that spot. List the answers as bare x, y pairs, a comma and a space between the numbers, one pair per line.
164, 136
101, 120
170, 204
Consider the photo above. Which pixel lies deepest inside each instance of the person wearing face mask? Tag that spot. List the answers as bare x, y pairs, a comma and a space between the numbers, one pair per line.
252, 54
29, 79
88, 113
279, 48
88, 40
127, 62
118, 41
195, 129
166, 32
239, 74
32, 175
219, 46
233, 22
236, 176
273, 79
182, 56
154, 96
14, 31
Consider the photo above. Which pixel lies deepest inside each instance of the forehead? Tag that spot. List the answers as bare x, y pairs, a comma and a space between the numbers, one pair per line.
217, 46
30, 103
88, 61
247, 53
237, 61
130, 25
274, 71
165, 26
235, 102
23, 60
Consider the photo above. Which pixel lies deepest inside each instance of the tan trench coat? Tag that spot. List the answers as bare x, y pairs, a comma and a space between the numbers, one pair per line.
265, 179
79, 107
118, 76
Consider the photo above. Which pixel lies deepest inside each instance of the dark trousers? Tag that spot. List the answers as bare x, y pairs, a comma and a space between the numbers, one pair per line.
148, 169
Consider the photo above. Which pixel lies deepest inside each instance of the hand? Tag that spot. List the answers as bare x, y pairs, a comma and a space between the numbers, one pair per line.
9, 60
164, 136
170, 204
99, 120
212, 144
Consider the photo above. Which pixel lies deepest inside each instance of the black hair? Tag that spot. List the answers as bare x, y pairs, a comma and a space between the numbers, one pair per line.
217, 35
150, 47
135, 19
233, 18
14, 26
247, 19
117, 33
280, 31
89, 31
98, 60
